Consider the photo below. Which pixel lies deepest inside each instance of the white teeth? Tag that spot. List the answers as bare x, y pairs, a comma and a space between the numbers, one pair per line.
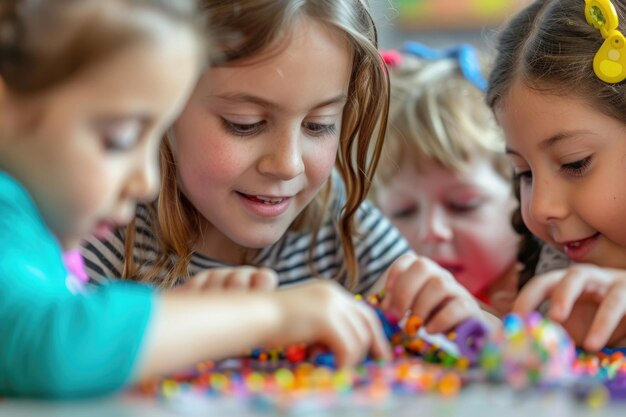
267, 200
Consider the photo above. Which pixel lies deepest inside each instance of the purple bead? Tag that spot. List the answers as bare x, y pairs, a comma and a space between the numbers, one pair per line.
470, 338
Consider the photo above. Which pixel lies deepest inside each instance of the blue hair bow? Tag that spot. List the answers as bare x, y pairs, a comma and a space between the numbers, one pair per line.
464, 53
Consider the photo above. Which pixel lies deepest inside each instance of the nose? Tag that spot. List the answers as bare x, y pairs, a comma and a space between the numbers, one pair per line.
547, 202
434, 226
145, 179
282, 156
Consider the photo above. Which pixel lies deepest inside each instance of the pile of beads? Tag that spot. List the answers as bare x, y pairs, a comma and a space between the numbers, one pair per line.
529, 352
526, 352
286, 384
459, 348
600, 377
282, 378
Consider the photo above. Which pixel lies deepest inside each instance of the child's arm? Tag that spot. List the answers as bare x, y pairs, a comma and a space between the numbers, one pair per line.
57, 344
188, 328
588, 300
420, 285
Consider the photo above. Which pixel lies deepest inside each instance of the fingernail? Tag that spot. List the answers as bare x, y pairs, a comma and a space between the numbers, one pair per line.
591, 342
556, 312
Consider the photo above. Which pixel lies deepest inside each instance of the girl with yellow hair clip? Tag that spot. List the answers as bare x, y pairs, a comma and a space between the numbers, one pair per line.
558, 91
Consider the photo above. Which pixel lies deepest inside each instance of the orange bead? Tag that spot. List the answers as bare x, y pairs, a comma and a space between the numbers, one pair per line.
449, 384
412, 325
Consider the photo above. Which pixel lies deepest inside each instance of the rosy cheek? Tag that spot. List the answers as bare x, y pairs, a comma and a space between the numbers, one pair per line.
319, 165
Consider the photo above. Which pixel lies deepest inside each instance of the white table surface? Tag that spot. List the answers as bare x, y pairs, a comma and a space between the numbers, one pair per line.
473, 401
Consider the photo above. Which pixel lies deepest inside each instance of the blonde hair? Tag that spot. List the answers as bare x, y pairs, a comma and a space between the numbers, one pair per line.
436, 114
242, 29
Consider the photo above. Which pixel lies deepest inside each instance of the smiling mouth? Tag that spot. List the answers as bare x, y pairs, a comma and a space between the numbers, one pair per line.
578, 243
264, 199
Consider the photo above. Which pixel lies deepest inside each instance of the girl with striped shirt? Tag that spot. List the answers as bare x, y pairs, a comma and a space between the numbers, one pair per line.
269, 165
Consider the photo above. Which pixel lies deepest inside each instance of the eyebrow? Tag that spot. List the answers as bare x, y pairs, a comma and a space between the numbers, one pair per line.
248, 98
553, 140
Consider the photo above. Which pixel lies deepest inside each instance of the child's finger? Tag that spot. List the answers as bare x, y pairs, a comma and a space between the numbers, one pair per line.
453, 313
431, 297
399, 298
205, 280
379, 345
238, 280
357, 321
393, 274
264, 279
535, 292
565, 293
609, 315
343, 342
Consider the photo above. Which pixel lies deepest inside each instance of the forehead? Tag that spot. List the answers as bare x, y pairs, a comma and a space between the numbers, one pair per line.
144, 76
480, 171
311, 62
529, 117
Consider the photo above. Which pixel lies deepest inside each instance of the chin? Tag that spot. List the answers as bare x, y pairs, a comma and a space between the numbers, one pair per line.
258, 240
69, 243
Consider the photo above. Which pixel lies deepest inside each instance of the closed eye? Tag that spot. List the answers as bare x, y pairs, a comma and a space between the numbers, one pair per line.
577, 168
319, 129
242, 129
404, 213
120, 135
464, 207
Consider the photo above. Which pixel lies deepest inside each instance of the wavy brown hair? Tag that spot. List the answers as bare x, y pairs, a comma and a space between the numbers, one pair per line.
240, 30
549, 47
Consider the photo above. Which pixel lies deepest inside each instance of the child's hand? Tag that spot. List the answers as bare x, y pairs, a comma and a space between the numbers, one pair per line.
589, 301
429, 292
236, 278
324, 312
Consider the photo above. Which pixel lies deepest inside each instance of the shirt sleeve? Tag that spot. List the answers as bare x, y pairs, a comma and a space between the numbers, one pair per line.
55, 342
550, 259
70, 345
378, 244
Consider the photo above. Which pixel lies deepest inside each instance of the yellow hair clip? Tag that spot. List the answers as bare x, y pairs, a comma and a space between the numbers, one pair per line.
609, 64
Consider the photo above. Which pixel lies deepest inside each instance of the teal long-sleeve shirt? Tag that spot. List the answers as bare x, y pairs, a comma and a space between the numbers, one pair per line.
54, 342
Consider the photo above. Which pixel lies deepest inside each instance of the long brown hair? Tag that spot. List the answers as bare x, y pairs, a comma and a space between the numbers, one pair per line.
240, 30
549, 47
45, 42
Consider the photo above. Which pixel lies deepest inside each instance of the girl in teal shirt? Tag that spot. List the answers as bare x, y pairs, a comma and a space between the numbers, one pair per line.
86, 90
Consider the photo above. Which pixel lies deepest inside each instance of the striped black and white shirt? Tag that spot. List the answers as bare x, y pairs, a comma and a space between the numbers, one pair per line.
550, 259
377, 245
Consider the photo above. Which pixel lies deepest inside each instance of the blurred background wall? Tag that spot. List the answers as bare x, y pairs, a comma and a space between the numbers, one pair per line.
442, 23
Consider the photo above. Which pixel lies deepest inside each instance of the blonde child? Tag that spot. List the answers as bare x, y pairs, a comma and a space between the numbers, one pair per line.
444, 180
248, 166
86, 90
557, 91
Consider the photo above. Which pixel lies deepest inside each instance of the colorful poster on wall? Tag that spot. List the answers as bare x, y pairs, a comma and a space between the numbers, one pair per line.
422, 15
